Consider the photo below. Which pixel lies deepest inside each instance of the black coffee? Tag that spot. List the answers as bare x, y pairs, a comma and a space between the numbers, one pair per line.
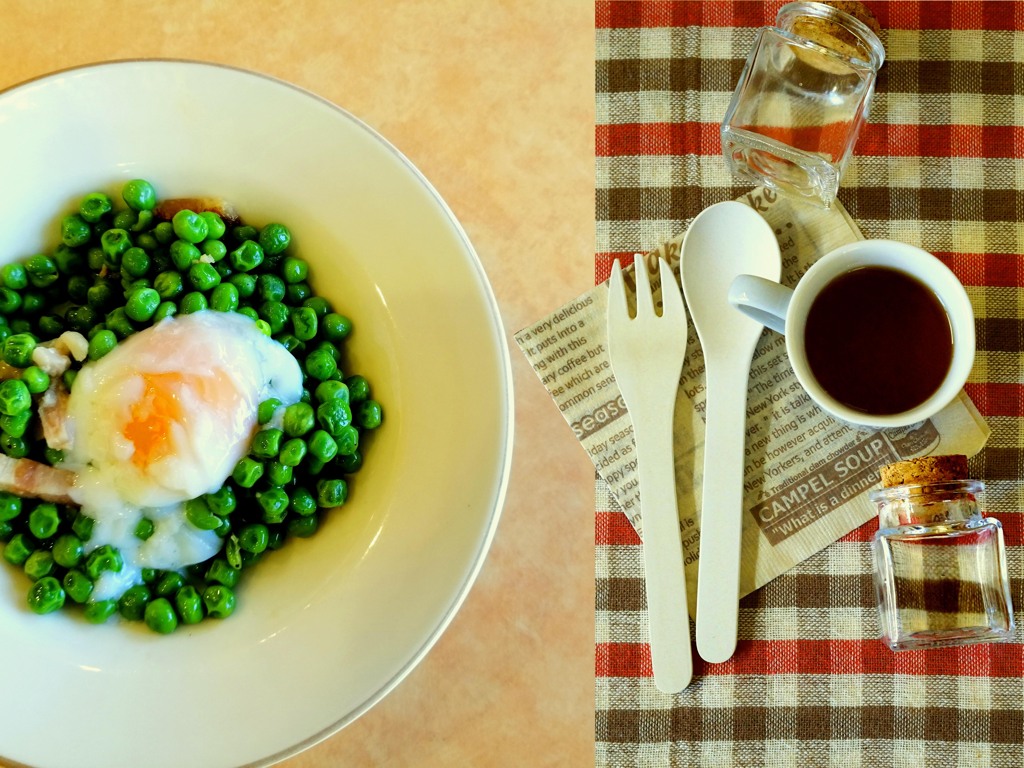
878, 340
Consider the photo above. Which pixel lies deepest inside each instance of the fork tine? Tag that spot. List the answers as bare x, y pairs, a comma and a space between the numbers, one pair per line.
644, 297
671, 298
617, 306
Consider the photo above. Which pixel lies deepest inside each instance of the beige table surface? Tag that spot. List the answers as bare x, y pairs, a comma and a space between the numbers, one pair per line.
494, 102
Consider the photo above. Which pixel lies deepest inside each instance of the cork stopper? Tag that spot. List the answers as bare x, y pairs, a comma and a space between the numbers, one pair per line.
841, 37
925, 470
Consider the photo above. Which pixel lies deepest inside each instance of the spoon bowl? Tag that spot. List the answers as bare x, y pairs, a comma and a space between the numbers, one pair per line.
726, 240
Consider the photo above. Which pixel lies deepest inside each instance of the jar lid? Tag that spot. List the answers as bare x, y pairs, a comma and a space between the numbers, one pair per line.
925, 470
846, 27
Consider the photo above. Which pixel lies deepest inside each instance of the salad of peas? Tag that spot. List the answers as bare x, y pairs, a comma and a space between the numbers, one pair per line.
116, 271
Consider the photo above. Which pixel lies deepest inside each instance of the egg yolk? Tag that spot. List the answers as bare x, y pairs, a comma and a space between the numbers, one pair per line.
164, 402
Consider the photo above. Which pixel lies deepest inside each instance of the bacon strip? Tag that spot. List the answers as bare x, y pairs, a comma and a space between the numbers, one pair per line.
165, 209
25, 477
53, 415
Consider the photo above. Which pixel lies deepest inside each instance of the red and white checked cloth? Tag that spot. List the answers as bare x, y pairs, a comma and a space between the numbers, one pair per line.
940, 165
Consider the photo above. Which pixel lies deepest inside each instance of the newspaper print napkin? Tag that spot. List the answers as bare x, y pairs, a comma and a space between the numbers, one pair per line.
939, 166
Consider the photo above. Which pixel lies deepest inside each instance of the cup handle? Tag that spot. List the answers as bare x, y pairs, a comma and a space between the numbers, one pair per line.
763, 300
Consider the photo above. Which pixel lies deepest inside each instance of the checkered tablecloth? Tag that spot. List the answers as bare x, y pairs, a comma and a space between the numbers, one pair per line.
940, 165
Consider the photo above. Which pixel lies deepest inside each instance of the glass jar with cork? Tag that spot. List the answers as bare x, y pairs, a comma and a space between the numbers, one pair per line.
940, 564
802, 97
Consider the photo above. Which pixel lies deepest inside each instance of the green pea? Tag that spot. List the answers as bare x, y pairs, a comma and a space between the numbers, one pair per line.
82, 526
203, 276
331, 493
314, 466
249, 312
245, 283
149, 575
46, 595
293, 452
275, 313
135, 262
247, 256
74, 231
318, 304
189, 605
39, 564
16, 426
114, 243
139, 195
222, 573
358, 388
126, 219
10, 301
99, 611
164, 310
197, 511
168, 284
147, 241
18, 548
332, 390
321, 365
193, 302
42, 270
304, 322
36, 379
94, 206
224, 298
322, 446
160, 617
184, 254
18, 350
117, 321
215, 227
100, 295
14, 276
297, 293
336, 327
294, 270
233, 552
254, 538
275, 238
278, 474
222, 501
291, 343
81, 319
142, 304
53, 456
103, 558
101, 344
14, 397
68, 550
169, 583
266, 443
302, 502
347, 440
270, 287
245, 232
264, 327
132, 604
274, 503
299, 419
190, 226
69, 379
144, 528
44, 520
10, 506
95, 259
69, 260
369, 414
164, 233
51, 326
15, 447
77, 585
333, 416
267, 409
303, 527
32, 302
247, 472
219, 601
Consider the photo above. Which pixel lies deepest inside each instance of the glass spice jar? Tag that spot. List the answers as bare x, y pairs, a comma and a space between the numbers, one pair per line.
801, 99
940, 564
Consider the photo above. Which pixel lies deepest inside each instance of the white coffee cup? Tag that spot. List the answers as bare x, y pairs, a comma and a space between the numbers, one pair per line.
785, 310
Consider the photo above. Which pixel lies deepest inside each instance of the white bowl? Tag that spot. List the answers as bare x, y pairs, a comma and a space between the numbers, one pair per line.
326, 626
